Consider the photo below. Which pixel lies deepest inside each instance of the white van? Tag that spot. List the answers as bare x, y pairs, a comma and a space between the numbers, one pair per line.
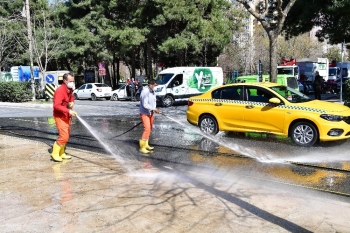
345, 68
180, 83
308, 67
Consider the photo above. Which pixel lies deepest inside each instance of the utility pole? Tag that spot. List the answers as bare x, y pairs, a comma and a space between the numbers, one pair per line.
29, 31
260, 71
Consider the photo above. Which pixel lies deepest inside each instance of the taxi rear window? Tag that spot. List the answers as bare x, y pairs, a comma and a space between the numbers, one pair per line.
228, 93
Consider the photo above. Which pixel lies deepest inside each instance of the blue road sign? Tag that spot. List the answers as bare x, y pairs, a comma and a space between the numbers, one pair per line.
50, 78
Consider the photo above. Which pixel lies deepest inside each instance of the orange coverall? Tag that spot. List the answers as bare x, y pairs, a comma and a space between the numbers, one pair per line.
63, 95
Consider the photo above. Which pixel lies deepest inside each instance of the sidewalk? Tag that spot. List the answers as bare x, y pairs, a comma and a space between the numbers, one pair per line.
93, 193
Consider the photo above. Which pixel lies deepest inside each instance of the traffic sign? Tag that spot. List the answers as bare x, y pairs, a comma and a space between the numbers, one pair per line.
102, 72
101, 65
50, 78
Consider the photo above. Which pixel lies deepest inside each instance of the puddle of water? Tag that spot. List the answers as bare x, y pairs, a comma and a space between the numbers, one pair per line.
278, 154
251, 153
259, 152
95, 134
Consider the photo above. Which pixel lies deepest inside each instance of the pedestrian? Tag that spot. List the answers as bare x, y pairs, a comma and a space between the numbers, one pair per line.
146, 78
136, 84
139, 85
318, 85
147, 109
127, 87
132, 86
63, 103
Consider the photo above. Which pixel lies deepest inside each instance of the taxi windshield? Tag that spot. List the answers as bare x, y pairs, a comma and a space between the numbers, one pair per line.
291, 94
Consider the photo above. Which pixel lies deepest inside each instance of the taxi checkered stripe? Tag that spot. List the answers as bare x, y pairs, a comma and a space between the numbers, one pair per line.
260, 104
305, 109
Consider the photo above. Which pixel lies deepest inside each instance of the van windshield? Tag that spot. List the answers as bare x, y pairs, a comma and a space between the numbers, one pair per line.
163, 78
285, 70
332, 72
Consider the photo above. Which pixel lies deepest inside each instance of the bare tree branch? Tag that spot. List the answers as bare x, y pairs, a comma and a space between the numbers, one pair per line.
46, 40
272, 17
7, 42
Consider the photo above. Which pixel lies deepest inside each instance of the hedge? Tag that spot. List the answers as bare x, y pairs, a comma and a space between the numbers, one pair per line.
15, 91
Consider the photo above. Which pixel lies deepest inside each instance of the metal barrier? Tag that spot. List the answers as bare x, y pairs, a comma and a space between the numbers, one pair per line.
49, 90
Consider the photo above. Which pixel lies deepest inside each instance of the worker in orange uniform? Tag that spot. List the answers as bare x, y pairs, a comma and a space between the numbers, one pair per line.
148, 104
63, 102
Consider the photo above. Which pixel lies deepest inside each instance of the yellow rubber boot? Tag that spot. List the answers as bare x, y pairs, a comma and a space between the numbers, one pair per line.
63, 154
55, 155
143, 147
148, 147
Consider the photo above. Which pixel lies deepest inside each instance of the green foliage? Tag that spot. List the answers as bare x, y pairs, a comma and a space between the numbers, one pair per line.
228, 80
193, 32
15, 91
39, 92
139, 33
333, 53
330, 17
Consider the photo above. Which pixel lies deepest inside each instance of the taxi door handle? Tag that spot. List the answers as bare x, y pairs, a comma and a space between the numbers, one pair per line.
249, 106
218, 104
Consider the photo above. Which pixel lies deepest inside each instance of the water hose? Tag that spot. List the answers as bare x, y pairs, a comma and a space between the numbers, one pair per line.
128, 130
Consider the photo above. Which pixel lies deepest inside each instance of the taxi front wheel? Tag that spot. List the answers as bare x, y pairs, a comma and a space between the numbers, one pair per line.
304, 134
208, 125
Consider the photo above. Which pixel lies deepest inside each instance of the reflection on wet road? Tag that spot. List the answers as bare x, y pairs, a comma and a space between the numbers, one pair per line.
263, 157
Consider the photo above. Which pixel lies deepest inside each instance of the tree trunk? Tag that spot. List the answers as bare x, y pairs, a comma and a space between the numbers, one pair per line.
133, 63
180, 56
149, 60
114, 83
118, 75
68, 65
273, 56
106, 78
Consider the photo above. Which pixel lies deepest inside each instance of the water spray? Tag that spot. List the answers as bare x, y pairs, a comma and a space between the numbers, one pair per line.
245, 151
106, 147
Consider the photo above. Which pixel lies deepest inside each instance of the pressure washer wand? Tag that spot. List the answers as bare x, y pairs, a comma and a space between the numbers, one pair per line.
164, 115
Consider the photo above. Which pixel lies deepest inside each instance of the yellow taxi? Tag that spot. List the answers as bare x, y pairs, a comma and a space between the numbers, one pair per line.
269, 108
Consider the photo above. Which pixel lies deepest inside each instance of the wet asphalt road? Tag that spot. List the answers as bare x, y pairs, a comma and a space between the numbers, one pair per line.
114, 129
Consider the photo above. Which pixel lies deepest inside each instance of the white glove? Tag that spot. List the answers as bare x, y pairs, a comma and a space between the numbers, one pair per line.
70, 105
72, 113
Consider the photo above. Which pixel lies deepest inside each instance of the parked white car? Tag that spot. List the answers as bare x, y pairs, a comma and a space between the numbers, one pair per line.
123, 94
93, 91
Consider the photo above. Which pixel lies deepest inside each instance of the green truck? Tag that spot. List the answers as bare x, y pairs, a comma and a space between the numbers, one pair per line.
286, 75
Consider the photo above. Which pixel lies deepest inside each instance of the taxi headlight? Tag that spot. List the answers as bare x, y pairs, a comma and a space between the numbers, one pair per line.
159, 89
330, 117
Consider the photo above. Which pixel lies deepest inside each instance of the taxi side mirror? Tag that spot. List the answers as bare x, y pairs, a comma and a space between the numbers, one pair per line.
274, 101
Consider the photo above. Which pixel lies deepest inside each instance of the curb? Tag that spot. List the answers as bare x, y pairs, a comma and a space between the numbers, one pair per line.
26, 104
